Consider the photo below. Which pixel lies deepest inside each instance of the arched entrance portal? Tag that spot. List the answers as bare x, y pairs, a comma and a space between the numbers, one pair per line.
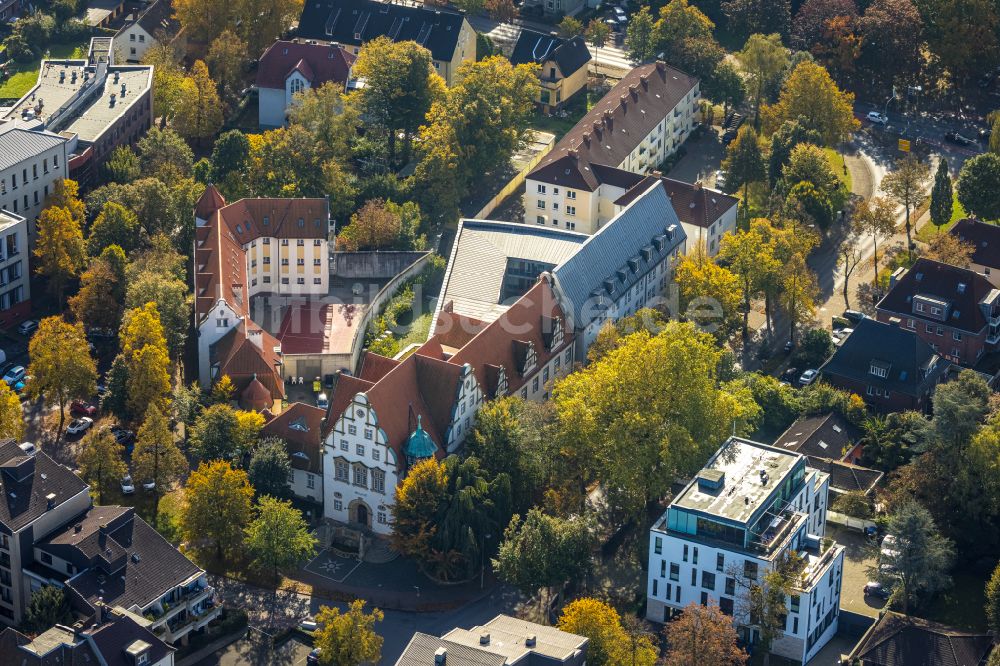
360, 514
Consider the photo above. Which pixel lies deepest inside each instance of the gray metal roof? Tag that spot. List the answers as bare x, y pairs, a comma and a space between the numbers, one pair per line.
422, 647
479, 262
508, 636
611, 261
18, 144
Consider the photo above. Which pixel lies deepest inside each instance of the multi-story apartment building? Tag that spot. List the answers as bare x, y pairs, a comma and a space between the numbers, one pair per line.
31, 161
394, 413
15, 285
109, 555
445, 33
954, 310
629, 133
251, 247
40, 497
115, 636
97, 104
751, 509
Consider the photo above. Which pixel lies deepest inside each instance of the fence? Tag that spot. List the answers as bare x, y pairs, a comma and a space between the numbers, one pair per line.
850, 522
538, 147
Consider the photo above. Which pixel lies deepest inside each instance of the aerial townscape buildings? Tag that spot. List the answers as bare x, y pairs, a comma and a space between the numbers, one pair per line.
572, 332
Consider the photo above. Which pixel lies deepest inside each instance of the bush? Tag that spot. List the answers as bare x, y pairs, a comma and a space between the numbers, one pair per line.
815, 347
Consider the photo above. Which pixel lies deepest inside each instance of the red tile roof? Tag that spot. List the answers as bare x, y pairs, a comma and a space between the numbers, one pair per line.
241, 358
374, 367
694, 204
318, 63
300, 426
211, 200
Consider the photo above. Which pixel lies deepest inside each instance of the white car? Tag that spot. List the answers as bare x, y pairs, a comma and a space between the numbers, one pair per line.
80, 425
149, 485
808, 377
720, 179
15, 374
28, 448
127, 486
879, 118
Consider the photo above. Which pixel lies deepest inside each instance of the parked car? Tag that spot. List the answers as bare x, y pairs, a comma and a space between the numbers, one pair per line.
808, 377
876, 117
620, 15
956, 138
875, 589
20, 386
308, 624
984, 135
122, 436
28, 448
127, 486
82, 408
854, 316
313, 658
720, 179
14, 375
27, 327
789, 346
80, 425
149, 485
790, 375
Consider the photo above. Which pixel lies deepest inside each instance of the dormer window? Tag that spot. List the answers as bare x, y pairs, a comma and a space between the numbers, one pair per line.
879, 369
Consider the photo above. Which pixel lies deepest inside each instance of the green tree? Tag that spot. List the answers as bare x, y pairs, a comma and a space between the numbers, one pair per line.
703, 635
279, 537
854, 503
332, 119
570, 27
700, 279
48, 606
269, 468
942, 198
875, 217
921, 559
726, 86
597, 33
905, 186
101, 461
763, 59
168, 78
348, 639
116, 225
225, 59
788, 135
685, 37
813, 202
199, 111
217, 508
978, 183
213, 435
187, 402
672, 374
809, 163
610, 642
799, 292
639, 35
751, 259
747, 17
543, 552
400, 87
172, 300
815, 347
744, 162
164, 155
230, 158
993, 600
156, 457
122, 166
99, 302
59, 249
381, 225
811, 97
61, 367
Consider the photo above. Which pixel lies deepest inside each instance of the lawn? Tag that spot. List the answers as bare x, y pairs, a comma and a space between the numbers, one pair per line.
837, 164
24, 75
576, 109
928, 231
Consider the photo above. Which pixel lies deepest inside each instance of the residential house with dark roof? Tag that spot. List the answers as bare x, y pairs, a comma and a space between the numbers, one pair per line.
903, 640
351, 23
503, 641
889, 366
253, 246
109, 555
145, 28
394, 413
300, 427
39, 496
114, 637
831, 444
954, 310
640, 122
562, 62
706, 214
985, 241
291, 67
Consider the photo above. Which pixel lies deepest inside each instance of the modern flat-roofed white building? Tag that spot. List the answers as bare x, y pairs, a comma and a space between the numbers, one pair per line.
750, 509
31, 161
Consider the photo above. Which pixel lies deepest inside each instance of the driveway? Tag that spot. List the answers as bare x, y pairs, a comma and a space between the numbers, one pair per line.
249, 652
703, 156
855, 576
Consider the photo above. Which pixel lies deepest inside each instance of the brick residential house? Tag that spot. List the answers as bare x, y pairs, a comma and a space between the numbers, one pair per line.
954, 310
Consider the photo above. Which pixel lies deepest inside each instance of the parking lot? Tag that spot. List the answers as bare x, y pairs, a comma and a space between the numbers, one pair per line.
249, 652
856, 565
